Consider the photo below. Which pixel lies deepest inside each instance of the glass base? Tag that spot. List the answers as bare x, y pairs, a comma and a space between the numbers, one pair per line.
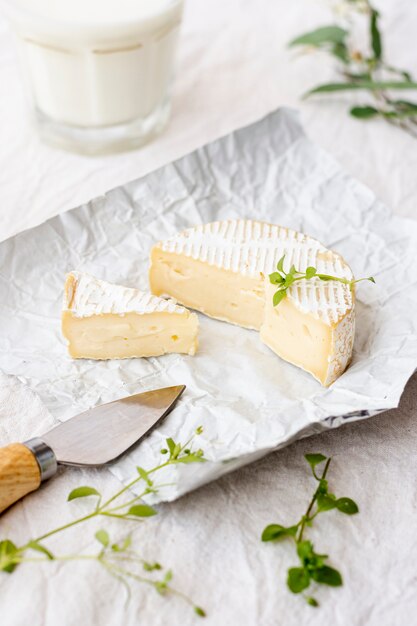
102, 139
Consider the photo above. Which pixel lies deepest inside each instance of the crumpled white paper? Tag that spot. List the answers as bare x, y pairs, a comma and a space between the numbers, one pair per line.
247, 399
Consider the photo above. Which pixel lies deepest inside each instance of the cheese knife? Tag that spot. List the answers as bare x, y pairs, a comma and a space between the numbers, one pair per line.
93, 438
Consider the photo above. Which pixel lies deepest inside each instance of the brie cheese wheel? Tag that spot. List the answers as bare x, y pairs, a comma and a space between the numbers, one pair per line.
222, 268
105, 321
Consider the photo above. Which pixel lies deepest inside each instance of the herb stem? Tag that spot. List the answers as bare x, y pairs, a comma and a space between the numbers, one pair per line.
133, 482
154, 583
136, 498
365, 69
99, 510
69, 557
284, 280
124, 572
306, 518
111, 554
128, 503
61, 528
312, 567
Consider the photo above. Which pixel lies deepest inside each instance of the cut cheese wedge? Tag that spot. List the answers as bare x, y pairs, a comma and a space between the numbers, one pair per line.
221, 269
105, 321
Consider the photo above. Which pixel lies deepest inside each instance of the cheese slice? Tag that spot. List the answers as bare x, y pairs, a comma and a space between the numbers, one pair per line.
105, 321
221, 269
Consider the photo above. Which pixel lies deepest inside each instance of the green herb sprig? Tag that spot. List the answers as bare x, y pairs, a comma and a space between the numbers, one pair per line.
284, 280
118, 559
364, 70
312, 567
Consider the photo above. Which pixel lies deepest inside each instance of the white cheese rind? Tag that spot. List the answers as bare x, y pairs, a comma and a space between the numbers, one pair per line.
222, 269
341, 354
86, 295
251, 248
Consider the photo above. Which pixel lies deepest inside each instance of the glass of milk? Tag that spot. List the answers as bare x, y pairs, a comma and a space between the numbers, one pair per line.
99, 72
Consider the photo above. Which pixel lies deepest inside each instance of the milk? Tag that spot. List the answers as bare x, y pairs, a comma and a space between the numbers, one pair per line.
97, 65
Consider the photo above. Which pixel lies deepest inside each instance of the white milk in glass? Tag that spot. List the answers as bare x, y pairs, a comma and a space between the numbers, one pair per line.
99, 71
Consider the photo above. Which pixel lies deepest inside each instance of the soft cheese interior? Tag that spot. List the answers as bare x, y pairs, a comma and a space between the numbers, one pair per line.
221, 269
208, 288
105, 321
319, 348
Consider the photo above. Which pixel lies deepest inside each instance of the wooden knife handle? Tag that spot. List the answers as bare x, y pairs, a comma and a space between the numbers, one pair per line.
19, 473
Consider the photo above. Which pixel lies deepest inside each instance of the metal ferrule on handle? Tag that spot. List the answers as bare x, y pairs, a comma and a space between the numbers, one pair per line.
44, 456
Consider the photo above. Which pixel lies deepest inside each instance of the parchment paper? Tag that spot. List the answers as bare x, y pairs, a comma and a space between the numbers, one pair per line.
246, 398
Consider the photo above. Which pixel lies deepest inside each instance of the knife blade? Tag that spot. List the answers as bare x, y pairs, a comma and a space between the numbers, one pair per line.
93, 438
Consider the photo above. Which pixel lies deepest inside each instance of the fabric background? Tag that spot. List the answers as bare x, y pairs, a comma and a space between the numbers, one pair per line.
233, 68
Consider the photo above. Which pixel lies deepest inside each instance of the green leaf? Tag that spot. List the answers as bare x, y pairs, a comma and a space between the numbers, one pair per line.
325, 502
366, 84
176, 450
310, 272
289, 279
103, 537
82, 492
191, 458
323, 35
151, 567
327, 576
399, 72
8, 552
35, 545
347, 505
405, 105
141, 510
171, 445
325, 277
359, 76
364, 112
161, 587
312, 601
375, 35
276, 531
127, 542
144, 475
305, 550
399, 114
278, 296
323, 486
314, 459
340, 51
280, 264
199, 611
298, 579
275, 278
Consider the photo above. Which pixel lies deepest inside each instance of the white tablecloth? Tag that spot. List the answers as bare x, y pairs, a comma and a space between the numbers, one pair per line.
233, 68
